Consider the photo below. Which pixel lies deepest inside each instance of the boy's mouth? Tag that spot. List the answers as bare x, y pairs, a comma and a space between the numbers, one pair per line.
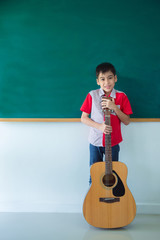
107, 87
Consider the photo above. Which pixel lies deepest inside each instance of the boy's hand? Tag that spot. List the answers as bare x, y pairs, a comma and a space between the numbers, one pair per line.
106, 103
106, 129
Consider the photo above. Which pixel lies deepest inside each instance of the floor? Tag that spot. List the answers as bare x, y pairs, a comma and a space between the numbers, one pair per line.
68, 226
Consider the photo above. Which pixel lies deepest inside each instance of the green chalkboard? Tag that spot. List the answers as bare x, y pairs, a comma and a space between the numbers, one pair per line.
49, 51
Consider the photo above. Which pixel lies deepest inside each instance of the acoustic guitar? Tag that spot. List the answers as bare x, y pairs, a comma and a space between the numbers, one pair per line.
109, 202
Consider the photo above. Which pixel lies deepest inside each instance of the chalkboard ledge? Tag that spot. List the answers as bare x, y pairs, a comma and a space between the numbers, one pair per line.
68, 120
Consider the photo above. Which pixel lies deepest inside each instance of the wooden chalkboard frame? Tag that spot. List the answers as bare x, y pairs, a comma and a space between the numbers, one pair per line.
68, 120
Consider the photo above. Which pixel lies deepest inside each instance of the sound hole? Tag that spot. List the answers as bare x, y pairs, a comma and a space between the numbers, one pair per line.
109, 180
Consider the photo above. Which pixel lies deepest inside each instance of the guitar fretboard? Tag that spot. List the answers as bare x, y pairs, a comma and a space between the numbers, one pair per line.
108, 147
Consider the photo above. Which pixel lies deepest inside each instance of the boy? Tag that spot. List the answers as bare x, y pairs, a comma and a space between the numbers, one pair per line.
93, 104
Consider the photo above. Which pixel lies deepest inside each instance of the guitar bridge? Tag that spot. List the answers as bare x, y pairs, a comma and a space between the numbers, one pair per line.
109, 200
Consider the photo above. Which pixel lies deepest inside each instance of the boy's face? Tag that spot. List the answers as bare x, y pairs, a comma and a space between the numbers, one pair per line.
107, 81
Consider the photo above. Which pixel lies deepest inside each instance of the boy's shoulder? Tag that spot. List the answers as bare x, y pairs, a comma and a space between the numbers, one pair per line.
96, 92
120, 93
99, 92
117, 91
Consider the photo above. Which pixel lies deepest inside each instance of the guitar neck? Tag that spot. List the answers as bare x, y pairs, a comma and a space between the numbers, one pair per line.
108, 147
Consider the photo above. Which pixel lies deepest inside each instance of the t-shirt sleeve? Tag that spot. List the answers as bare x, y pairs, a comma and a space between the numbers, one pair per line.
87, 104
126, 106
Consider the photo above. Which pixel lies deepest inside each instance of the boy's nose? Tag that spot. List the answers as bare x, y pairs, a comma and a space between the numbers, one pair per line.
106, 81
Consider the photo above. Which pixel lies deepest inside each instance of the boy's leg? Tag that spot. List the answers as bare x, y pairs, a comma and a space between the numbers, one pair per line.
115, 152
96, 155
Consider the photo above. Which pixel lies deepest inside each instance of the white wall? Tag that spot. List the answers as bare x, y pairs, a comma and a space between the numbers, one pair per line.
44, 166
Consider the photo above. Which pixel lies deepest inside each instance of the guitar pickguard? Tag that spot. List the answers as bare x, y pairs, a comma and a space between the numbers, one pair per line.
118, 190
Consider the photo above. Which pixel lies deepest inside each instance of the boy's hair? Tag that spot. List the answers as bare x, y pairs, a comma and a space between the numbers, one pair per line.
105, 67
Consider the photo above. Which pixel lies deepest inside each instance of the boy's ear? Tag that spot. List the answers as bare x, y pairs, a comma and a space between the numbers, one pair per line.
115, 78
97, 81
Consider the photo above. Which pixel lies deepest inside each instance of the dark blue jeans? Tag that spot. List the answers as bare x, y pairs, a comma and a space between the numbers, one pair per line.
97, 153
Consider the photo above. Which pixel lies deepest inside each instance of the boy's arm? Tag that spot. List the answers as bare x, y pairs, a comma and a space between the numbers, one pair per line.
122, 116
100, 126
111, 105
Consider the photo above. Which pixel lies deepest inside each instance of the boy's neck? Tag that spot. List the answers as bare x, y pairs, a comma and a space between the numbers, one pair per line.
107, 93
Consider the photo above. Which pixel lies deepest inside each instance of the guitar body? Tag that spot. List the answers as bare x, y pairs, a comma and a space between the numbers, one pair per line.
109, 206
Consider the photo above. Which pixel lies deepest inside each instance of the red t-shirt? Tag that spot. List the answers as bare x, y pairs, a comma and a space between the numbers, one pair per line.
92, 105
